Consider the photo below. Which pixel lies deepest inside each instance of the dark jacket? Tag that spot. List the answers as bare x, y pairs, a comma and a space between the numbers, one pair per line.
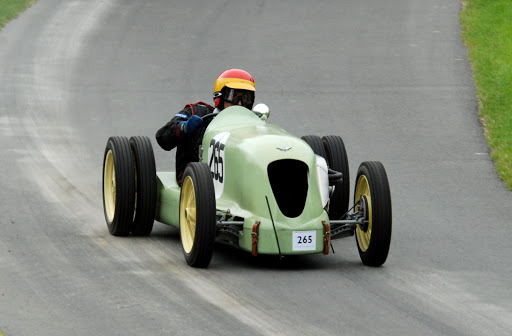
187, 145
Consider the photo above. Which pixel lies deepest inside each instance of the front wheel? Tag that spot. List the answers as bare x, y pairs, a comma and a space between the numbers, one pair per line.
372, 198
197, 215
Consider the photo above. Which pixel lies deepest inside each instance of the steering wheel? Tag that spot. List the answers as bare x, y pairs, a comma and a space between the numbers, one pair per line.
209, 115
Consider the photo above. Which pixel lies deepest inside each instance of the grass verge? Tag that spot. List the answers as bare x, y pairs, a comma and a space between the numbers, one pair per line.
9, 9
487, 33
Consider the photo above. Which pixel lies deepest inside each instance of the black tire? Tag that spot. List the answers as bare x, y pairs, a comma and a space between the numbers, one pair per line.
373, 241
145, 177
197, 215
316, 144
118, 186
337, 159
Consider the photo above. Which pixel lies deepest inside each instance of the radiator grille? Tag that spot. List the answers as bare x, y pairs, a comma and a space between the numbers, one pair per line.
289, 181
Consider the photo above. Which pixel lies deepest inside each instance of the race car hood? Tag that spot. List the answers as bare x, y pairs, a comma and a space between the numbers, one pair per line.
252, 162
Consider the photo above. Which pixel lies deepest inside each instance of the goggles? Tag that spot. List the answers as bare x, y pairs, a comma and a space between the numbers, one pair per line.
235, 96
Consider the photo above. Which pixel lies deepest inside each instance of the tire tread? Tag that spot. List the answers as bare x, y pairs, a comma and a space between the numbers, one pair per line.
146, 185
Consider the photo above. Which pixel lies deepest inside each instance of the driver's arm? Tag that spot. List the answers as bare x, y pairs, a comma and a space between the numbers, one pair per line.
169, 135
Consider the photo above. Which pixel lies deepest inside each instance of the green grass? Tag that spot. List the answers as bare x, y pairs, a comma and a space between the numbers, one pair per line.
487, 33
9, 9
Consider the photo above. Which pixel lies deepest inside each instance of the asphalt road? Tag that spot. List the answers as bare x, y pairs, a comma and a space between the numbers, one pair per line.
391, 77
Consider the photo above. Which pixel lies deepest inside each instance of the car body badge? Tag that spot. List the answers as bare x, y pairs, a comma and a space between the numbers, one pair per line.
284, 149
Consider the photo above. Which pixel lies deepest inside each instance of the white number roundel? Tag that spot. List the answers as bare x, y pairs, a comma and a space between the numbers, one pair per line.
216, 161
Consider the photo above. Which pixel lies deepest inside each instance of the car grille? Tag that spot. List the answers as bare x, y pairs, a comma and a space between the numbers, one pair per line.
289, 181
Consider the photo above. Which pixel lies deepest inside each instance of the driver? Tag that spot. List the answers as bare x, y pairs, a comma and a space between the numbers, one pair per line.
186, 129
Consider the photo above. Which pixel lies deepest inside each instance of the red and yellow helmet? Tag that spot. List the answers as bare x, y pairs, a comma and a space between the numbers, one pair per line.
234, 79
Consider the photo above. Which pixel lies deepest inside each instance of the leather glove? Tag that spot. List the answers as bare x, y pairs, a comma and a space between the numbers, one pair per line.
191, 125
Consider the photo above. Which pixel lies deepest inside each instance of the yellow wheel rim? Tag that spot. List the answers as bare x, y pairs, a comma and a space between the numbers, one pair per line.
109, 186
363, 189
188, 214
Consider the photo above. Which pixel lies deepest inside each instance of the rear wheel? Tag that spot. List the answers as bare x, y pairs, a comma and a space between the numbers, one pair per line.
145, 177
197, 215
118, 186
316, 144
373, 200
337, 159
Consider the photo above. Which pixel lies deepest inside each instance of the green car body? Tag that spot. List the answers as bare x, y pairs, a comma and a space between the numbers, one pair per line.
261, 174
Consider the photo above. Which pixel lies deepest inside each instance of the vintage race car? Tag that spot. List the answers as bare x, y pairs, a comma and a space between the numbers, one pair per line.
256, 187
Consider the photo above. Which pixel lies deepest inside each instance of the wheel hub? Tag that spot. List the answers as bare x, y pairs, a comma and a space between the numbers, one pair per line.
363, 213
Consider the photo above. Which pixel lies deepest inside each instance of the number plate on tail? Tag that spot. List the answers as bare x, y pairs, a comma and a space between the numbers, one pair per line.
304, 240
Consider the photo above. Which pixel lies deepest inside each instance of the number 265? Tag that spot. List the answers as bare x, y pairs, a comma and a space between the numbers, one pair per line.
305, 239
